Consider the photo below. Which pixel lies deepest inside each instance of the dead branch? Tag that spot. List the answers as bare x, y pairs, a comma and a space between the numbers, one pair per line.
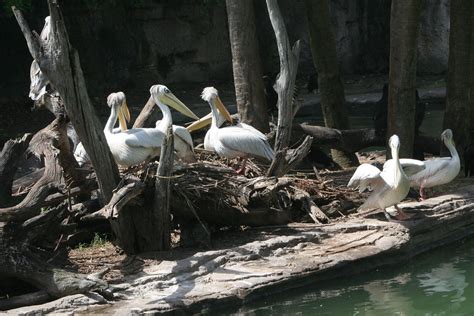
118, 201
46, 144
146, 117
9, 159
59, 61
285, 88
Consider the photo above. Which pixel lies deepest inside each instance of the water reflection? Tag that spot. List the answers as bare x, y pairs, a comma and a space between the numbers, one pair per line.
438, 283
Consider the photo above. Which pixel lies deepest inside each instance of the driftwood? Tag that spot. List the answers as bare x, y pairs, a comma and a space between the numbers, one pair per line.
161, 205
28, 230
146, 117
9, 159
354, 140
285, 88
46, 144
59, 61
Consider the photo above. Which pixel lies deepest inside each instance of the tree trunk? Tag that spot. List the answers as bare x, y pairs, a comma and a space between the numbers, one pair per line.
404, 27
59, 61
331, 90
249, 89
459, 104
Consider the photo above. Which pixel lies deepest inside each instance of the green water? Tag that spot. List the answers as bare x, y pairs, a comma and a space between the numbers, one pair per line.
440, 282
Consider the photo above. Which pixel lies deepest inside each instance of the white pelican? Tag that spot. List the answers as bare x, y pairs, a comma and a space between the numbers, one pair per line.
437, 171
389, 186
137, 145
241, 141
183, 142
117, 102
39, 82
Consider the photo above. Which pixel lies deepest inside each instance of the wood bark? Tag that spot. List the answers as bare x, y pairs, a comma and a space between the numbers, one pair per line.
404, 29
147, 116
331, 90
459, 113
246, 65
161, 208
9, 159
59, 61
285, 88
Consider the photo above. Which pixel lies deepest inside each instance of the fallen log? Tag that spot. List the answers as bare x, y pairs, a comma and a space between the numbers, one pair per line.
354, 140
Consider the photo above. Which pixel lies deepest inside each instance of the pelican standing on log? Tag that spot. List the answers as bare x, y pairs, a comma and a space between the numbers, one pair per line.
241, 141
389, 186
137, 145
436, 171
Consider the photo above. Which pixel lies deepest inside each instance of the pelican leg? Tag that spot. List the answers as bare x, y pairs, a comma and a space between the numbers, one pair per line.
241, 170
401, 216
422, 193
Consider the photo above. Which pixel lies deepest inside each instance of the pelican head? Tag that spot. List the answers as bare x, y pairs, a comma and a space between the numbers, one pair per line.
210, 95
162, 95
447, 135
394, 142
119, 102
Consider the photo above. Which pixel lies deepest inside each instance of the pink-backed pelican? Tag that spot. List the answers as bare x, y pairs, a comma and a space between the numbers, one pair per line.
241, 141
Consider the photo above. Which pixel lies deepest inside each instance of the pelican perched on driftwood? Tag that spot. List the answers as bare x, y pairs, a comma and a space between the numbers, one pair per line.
436, 171
137, 145
241, 141
389, 186
38, 81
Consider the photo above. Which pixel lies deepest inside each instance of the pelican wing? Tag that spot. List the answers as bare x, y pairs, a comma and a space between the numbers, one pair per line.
365, 177
183, 134
143, 137
253, 130
246, 141
410, 166
433, 168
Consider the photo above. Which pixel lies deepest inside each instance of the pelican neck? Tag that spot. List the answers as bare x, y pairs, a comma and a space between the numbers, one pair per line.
451, 147
215, 114
167, 119
109, 126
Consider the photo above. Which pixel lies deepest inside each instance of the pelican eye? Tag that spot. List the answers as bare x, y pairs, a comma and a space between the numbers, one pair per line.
167, 90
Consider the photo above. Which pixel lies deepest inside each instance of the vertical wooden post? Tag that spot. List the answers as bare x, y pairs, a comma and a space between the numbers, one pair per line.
161, 209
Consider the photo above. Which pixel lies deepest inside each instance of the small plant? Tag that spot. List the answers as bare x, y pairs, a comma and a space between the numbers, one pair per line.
99, 240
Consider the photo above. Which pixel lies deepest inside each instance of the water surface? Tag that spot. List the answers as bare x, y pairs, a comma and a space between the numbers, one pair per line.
440, 282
